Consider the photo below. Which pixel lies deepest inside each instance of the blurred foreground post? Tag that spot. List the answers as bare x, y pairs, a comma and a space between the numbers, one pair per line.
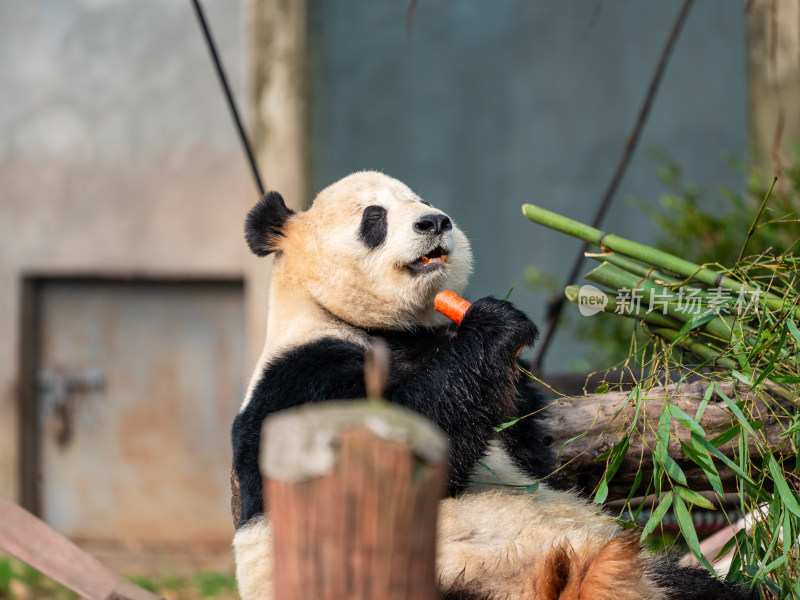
353, 491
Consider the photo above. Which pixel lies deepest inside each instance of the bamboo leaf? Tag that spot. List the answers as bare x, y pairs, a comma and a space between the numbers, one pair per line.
687, 529
702, 458
697, 440
636, 482
787, 496
657, 515
795, 426
790, 324
702, 407
694, 497
734, 541
745, 380
617, 455
662, 435
685, 419
736, 412
506, 425
741, 352
662, 447
572, 439
775, 354
637, 393
726, 436
604, 455
674, 470
694, 323
602, 492
787, 532
778, 562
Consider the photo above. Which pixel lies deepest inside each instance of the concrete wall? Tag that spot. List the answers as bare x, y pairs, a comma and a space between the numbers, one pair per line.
117, 154
488, 105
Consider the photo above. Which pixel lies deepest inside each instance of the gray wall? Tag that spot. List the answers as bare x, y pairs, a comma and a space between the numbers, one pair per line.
488, 105
117, 155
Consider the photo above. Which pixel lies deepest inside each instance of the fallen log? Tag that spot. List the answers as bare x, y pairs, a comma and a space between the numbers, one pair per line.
607, 417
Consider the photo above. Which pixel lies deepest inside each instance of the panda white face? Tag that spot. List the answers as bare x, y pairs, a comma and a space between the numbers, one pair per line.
373, 253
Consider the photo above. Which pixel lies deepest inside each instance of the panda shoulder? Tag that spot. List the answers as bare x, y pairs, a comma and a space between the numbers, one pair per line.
328, 368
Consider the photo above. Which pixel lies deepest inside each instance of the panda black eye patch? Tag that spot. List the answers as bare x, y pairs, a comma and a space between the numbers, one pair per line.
373, 226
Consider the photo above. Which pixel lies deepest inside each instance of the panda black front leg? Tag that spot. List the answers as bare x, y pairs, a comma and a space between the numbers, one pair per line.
500, 327
464, 383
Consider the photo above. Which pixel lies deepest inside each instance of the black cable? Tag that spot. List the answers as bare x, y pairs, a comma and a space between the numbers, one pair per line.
223, 80
556, 304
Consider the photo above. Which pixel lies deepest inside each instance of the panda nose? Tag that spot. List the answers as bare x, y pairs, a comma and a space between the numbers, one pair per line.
435, 224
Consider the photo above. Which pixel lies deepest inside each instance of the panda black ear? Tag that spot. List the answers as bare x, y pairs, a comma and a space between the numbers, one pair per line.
265, 222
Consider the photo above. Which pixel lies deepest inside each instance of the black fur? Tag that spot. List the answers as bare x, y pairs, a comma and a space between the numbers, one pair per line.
462, 378
265, 222
373, 226
695, 583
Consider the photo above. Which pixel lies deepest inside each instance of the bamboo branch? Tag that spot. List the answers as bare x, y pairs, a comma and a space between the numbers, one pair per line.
652, 256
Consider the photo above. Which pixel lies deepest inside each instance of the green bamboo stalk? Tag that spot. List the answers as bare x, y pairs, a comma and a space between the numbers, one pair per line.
636, 267
699, 349
654, 318
641, 252
615, 278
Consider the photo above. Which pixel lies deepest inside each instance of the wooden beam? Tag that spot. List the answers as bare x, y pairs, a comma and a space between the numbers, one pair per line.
33, 542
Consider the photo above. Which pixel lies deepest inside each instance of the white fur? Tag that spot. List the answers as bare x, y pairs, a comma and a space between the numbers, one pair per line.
252, 548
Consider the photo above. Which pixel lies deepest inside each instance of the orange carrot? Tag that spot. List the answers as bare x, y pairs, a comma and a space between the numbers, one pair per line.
451, 305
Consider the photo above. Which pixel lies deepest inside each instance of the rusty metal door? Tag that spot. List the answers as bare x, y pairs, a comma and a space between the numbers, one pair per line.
137, 384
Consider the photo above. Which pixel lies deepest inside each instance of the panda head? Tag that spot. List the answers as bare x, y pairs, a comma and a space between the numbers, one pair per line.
369, 251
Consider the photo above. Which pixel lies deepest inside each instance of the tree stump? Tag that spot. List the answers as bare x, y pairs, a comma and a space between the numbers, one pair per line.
353, 491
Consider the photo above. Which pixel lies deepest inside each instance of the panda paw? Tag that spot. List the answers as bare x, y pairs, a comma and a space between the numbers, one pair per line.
500, 322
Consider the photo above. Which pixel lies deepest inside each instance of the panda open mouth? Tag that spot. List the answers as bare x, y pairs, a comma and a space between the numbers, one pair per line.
435, 258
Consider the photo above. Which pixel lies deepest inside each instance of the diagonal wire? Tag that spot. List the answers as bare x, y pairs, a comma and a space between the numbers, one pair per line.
556, 303
223, 81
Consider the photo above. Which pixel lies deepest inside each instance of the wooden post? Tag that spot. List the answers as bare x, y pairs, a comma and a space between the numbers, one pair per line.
353, 490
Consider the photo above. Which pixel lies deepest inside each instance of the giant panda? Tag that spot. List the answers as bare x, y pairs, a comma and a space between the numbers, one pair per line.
364, 262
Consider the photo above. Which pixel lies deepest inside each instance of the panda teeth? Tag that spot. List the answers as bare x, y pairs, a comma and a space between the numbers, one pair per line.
436, 256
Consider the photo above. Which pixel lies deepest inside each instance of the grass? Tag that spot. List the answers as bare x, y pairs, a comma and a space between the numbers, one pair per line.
18, 581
